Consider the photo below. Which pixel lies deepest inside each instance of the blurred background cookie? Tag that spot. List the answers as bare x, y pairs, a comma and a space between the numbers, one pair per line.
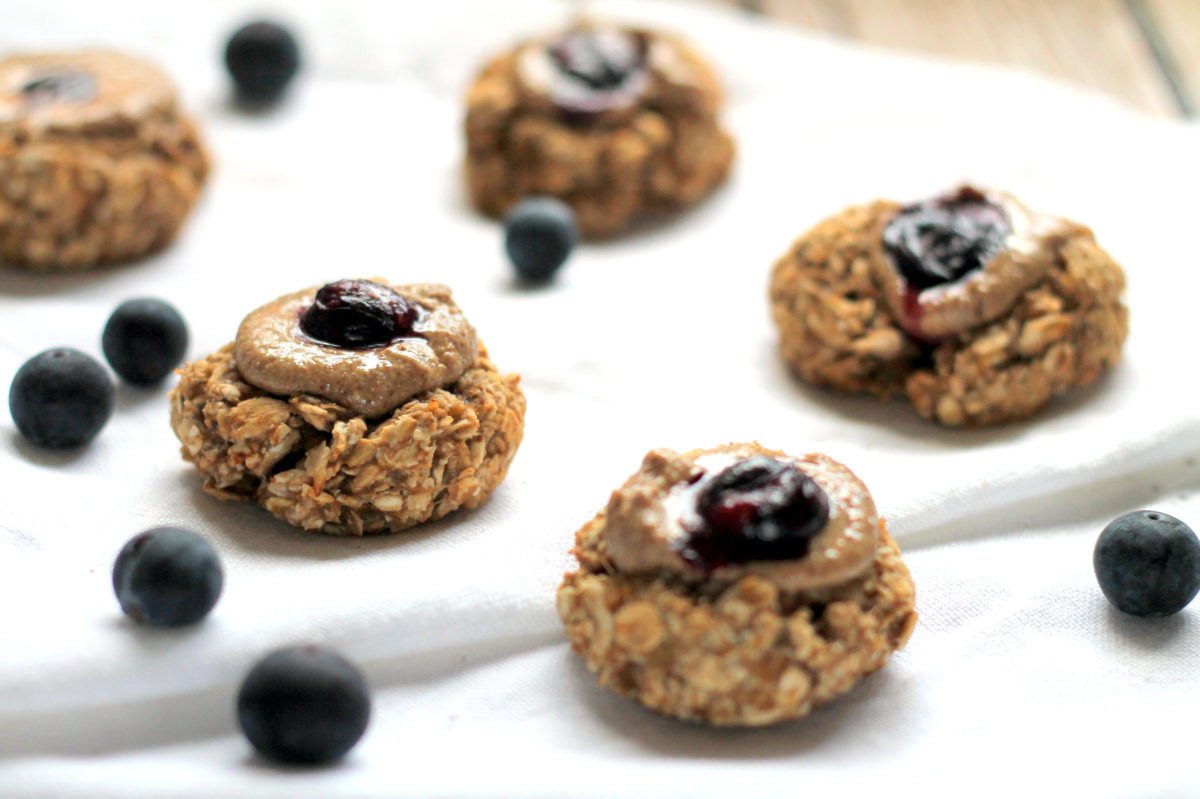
97, 163
614, 121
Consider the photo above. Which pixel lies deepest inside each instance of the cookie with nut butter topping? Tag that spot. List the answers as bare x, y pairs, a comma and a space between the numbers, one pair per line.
973, 307
357, 342
615, 121
736, 586
351, 408
97, 162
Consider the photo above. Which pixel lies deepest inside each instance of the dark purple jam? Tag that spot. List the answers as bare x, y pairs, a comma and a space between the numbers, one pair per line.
759, 508
60, 87
944, 239
598, 70
358, 315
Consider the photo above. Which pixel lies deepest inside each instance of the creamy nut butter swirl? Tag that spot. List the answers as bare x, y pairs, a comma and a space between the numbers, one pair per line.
650, 519
273, 353
1026, 251
600, 74
84, 93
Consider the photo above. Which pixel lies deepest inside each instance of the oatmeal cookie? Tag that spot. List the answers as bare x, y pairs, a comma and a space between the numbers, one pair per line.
97, 164
736, 586
975, 309
326, 464
615, 122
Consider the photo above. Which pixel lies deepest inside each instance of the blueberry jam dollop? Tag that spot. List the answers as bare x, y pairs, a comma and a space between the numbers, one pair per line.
358, 315
597, 70
60, 87
759, 508
945, 239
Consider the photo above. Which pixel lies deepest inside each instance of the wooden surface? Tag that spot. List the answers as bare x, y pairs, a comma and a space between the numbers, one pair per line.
1143, 52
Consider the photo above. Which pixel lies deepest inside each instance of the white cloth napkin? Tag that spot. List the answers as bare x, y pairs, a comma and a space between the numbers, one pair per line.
1018, 676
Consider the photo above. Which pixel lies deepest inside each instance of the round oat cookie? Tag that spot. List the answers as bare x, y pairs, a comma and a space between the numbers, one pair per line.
614, 121
974, 308
740, 644
97, 164
321, 465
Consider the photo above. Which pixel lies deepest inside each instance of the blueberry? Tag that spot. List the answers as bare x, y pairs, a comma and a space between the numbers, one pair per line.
304, 704
167, 577
262, 59
539, 234
144, 340
358, 314
1148, 563
945, 239
759, 508
61, 398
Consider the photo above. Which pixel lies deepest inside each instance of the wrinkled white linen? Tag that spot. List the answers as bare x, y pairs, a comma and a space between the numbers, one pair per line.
1018, 677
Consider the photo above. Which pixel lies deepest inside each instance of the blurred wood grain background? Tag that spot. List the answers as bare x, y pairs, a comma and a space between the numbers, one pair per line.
1144, 52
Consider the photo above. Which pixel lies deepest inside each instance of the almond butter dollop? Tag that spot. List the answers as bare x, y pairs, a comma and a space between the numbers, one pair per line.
648, 520
1030, 249
274, 354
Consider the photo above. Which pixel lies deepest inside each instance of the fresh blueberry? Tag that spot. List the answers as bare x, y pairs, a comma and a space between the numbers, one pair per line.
358, 315
945, 239
167, 577
539, 234
304, 704
759, 508
262, 58
1148, 563
61, 398
144, 340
